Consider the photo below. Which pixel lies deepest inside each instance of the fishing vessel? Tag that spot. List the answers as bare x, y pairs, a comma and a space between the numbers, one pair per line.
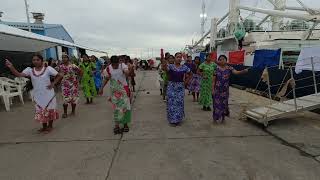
291, 29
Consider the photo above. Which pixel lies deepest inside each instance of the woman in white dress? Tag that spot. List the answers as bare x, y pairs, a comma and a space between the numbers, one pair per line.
42, 93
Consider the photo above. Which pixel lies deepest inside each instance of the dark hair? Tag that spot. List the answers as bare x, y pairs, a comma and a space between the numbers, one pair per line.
84, 55
65, 55
206, 56
49, 62
177, 54
38, 56
171, 56
197, 57
223, 56
114, 59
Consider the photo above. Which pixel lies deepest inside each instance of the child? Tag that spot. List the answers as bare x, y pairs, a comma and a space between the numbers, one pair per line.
42, 92
194, 85
221, 89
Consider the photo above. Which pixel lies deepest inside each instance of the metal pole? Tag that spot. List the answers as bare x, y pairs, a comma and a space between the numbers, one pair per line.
269, 86
213, 35
203, 37
294, 90
314, 77
27, 13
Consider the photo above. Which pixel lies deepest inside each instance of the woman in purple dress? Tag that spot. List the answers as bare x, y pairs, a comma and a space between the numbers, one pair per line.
221, 89
194, 85
178, 78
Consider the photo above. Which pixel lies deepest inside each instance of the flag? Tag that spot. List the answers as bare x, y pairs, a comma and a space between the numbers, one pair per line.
236, 57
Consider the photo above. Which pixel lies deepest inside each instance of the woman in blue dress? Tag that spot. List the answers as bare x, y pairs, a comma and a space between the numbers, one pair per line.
178, 79
98, 72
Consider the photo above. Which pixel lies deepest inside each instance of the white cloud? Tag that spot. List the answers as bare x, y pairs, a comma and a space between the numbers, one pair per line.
127, 26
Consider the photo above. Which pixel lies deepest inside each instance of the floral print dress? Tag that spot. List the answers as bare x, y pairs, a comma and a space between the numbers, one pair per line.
175, 93
120, 95
221, 94
206, 83
70, 83
87, 81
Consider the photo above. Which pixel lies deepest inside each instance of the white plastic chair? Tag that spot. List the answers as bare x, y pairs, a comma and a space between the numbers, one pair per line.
22, 81
10, 90
4, 97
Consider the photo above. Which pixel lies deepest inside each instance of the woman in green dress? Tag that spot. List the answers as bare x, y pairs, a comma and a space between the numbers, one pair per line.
206, 71
87, 81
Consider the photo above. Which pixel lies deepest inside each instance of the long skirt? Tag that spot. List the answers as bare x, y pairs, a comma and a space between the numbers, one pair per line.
119, 115
195, 83
175, 103
98, 80
46, 106
206, 92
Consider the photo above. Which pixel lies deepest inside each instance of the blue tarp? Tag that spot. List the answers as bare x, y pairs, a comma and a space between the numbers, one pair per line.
266, 58
203, 56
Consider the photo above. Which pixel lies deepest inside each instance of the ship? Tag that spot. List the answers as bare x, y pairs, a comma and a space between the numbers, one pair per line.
289, 38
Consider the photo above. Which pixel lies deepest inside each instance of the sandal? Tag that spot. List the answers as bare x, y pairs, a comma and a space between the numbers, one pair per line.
48, 130
126, 129
42, 130
117, 130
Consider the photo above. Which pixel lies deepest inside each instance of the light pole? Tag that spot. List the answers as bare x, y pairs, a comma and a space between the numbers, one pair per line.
203, 17
27, 13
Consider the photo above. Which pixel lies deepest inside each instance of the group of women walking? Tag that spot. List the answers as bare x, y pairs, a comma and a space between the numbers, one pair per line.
89, 73
208, 82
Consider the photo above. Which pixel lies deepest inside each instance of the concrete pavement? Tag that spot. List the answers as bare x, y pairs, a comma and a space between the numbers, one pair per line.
84, 147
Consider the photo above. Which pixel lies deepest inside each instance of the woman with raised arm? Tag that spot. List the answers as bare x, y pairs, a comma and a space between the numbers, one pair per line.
178, 79
120, 95
221, 84
42, 92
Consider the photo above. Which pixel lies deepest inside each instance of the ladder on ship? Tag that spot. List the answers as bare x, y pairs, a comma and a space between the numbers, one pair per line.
282, 109
265, 114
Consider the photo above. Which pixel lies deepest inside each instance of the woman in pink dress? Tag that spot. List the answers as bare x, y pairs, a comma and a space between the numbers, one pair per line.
69, 85
42, 93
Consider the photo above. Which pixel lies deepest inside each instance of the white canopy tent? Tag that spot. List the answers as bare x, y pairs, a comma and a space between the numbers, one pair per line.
14, 39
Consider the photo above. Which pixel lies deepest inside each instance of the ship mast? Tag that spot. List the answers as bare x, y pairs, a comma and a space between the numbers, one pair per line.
27, 13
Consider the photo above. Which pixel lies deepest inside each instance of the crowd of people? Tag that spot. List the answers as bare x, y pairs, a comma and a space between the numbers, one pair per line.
91, 75
208, 82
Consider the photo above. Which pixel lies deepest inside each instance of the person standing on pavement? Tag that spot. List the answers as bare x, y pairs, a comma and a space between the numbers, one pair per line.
190, 65
132, 75
178, 78
42, 91
194, 85
221, 89
69, 85
206, 71
87, 81
163, 79
98, 72
120, 95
